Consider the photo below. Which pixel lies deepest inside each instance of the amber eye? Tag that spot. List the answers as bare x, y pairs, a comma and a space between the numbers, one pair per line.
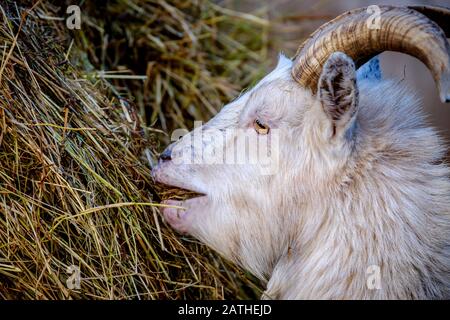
260, 127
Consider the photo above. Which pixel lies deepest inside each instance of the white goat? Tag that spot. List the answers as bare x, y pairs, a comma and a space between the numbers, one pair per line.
359, 187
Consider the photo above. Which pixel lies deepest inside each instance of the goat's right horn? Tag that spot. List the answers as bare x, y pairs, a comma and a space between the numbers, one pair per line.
396, 29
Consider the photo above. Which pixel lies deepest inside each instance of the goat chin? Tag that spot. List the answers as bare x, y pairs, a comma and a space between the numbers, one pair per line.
356, 209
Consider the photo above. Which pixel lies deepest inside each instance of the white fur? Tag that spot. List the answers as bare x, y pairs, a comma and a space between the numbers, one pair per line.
335, 207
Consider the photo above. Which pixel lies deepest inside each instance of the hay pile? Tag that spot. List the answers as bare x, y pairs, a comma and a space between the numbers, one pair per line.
194, 55
75, 145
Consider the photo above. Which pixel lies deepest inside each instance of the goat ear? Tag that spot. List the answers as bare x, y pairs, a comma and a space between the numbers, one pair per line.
338, 92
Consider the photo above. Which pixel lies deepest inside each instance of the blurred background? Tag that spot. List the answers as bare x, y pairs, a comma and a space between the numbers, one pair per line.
293, 20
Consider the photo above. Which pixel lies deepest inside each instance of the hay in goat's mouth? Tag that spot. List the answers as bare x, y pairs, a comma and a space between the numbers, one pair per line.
75, 186
176, 193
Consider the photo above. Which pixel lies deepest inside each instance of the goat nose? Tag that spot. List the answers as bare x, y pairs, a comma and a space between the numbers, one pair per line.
166, 155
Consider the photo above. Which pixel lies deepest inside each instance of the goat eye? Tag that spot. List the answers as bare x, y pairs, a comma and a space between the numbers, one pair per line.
260, 127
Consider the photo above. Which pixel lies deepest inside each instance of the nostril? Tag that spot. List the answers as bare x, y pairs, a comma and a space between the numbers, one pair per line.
166, 155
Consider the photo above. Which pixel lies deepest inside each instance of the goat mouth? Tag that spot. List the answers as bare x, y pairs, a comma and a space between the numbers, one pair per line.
180, 194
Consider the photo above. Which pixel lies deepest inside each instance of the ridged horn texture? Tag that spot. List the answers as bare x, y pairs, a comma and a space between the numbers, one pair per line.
361, 36
439, 14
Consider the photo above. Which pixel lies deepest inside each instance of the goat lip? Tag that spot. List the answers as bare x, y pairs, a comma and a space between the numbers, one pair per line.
185, 194
192, 195
192, 204
178, 185
190, 201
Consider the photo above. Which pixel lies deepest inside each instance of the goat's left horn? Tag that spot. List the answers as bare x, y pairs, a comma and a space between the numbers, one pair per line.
440, 15
365, 32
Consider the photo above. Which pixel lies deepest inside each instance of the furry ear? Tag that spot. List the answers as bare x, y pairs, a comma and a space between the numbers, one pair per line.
338, 92
283, 61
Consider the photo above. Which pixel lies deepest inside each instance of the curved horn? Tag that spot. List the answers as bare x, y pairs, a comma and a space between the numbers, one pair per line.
439, 14
398, 29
